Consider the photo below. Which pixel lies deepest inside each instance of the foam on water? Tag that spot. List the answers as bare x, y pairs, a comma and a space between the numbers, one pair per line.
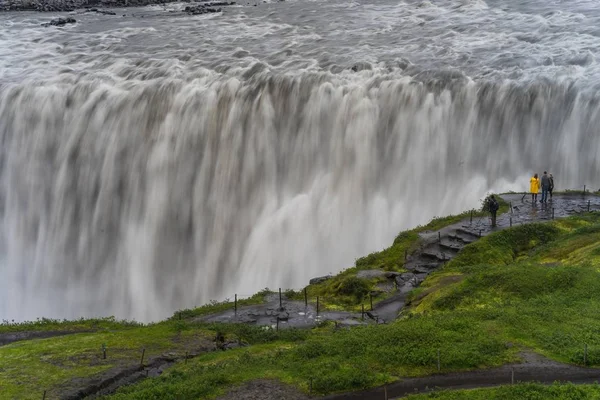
154, 164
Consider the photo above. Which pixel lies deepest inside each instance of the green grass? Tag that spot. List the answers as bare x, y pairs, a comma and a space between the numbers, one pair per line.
46, 324
532, 287
27, 368
523, 391
538, 285
335, 360
491, 302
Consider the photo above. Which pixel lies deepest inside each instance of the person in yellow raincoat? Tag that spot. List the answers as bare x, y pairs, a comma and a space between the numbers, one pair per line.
534, 188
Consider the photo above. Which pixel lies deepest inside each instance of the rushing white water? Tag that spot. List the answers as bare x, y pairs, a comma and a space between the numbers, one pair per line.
134, 184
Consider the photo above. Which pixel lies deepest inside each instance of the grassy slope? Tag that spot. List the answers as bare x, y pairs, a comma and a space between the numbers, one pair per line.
27, 368
533, 286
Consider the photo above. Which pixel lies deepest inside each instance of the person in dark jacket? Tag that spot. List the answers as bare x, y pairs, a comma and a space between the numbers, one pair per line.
551, 185
545, 182
493, 206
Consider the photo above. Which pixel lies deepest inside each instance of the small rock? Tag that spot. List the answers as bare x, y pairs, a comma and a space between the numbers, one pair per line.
407, 276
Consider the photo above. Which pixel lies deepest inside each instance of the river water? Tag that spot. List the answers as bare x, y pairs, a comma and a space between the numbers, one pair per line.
156, 161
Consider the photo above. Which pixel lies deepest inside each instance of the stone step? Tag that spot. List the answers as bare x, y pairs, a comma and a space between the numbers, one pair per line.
461, 239
422, 267
435, 256
452, 246
470, 233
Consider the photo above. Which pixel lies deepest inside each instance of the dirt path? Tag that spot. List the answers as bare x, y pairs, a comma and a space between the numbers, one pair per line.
534, 368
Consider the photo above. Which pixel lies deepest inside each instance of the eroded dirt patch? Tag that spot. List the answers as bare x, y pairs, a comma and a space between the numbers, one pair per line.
264, 389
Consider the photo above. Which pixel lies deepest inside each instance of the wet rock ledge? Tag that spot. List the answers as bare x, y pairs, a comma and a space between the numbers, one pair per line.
95, 5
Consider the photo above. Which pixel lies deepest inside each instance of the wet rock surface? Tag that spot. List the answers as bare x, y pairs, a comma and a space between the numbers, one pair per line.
288, 314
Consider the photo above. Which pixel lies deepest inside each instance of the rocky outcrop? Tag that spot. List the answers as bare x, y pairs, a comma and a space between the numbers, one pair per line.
72, 5
200, 9
60, 21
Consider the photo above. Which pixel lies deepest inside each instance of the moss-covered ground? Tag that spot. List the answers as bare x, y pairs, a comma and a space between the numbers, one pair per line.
534, 287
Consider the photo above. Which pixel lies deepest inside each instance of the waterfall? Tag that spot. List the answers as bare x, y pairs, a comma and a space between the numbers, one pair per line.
138, 198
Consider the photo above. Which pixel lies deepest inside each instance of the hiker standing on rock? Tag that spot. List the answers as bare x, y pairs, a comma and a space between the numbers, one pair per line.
493, 207
545, 187
551, 185
534, 187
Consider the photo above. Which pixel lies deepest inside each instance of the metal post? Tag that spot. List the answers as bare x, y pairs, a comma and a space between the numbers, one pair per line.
371, 300
142, 359
588, 205
471, 220
438, 360
305, 298
439, 237
235, 305
511, 221
44, 396
583, 189
280, 303
385, 392
511, 208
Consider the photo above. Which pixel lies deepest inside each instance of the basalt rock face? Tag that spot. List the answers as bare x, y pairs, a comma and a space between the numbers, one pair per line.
201, 9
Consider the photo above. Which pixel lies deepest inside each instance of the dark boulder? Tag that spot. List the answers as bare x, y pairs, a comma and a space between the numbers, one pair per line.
60, 22
391, 274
